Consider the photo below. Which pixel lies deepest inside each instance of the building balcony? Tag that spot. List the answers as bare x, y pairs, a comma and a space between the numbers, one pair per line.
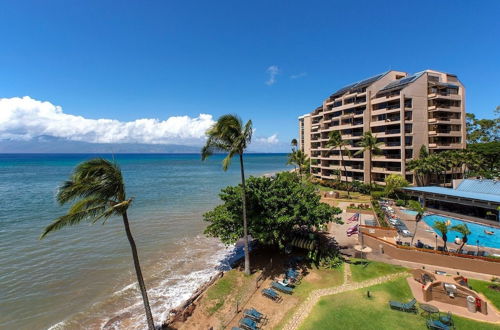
386, 110
445, 145
444, 96
385, 122
444, 108
442, 132
388, 133
385, 98
386, 169
445, 120
388, 158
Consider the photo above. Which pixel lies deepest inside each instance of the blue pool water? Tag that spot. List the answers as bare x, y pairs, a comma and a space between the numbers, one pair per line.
477, 231
410, 212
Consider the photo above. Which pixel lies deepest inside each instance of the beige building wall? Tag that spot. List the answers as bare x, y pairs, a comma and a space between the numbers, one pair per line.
305, 134
403, 111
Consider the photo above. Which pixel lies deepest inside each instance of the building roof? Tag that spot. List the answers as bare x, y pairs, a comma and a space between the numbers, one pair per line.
398, 84
480, 186
360, 84
495, 198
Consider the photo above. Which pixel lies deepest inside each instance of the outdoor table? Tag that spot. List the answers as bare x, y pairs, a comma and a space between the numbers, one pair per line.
428, 310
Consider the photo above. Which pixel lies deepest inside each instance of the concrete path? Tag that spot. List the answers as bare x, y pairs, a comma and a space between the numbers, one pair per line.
306, 307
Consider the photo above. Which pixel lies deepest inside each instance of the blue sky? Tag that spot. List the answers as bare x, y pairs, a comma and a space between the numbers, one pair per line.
127, 60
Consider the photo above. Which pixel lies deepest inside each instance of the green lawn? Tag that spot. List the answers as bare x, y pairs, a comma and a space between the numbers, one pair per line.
232, 285
482, 287
365, 269
354, 310
317, 279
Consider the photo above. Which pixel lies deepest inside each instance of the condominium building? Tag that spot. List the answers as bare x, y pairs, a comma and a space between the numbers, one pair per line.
402, 111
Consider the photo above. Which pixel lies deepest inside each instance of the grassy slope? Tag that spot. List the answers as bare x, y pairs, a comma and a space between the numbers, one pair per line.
318, 279
353, 310
365, 269
482, 287
231, 285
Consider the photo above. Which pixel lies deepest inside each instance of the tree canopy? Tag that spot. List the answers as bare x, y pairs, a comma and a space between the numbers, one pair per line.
483, 130
275, 208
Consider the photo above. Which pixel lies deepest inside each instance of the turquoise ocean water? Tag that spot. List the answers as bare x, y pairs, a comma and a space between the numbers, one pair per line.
83, 277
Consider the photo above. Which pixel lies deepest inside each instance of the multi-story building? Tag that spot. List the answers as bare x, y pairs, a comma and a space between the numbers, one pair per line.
402, 111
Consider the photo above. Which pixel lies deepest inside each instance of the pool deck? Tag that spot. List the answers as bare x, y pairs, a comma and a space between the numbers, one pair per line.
427, 235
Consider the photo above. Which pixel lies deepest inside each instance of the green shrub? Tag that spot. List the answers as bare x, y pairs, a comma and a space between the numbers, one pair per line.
400, 202
377, 194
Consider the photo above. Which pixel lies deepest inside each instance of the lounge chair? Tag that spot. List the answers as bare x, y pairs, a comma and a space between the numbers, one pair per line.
253, 314
271, 294
247, 323
408, 307
446, 319
437, 325
282, 288
292, 274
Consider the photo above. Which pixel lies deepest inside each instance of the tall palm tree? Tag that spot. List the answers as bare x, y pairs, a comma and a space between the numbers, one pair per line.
229, 135
98, 191
417, 207
369, 143
294, 144
442, 227
464, 230
335, 142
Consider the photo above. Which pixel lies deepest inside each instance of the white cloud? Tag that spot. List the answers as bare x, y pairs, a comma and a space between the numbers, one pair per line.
298, 75
26, 118
273, 139
273, 71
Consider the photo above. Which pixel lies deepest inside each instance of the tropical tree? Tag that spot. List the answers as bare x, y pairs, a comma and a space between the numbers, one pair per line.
422, 167
417, 207
393, 183
335, 142
464, 231
229, 135
97, 189
277, 208
300, 159
369, 143
442, 227
294, 143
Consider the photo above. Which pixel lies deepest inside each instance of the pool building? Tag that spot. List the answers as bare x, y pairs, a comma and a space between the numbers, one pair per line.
473, 199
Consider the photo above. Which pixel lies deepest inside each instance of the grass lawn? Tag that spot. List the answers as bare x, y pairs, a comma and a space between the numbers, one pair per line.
355, 196
482, 287
316, 279
353, 310
366, 269
232, 285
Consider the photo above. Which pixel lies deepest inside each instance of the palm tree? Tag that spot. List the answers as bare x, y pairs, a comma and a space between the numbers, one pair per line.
464, 230
294, 143
229, 135
369, 143
417, 207
442, 227
335, 142
292, 159
98, 191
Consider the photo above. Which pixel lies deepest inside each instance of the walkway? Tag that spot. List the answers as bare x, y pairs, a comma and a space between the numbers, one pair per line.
306, 307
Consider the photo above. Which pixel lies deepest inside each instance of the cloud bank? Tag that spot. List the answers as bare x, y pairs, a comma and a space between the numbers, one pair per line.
26, 118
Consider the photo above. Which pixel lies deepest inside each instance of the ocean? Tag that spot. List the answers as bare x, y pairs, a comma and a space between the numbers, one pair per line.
82, 277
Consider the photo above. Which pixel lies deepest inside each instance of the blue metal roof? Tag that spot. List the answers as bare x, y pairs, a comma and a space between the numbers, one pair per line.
480, 186
458, 193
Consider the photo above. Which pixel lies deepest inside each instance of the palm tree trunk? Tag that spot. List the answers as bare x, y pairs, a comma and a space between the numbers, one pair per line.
245, 230
138, 272
345, 171
370, 169
414, 233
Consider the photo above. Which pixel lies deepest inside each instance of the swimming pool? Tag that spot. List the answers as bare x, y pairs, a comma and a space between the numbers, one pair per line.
477, 231
410, 212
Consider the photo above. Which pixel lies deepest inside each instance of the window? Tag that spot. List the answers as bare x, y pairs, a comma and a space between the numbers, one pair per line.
408, 128
433, 78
